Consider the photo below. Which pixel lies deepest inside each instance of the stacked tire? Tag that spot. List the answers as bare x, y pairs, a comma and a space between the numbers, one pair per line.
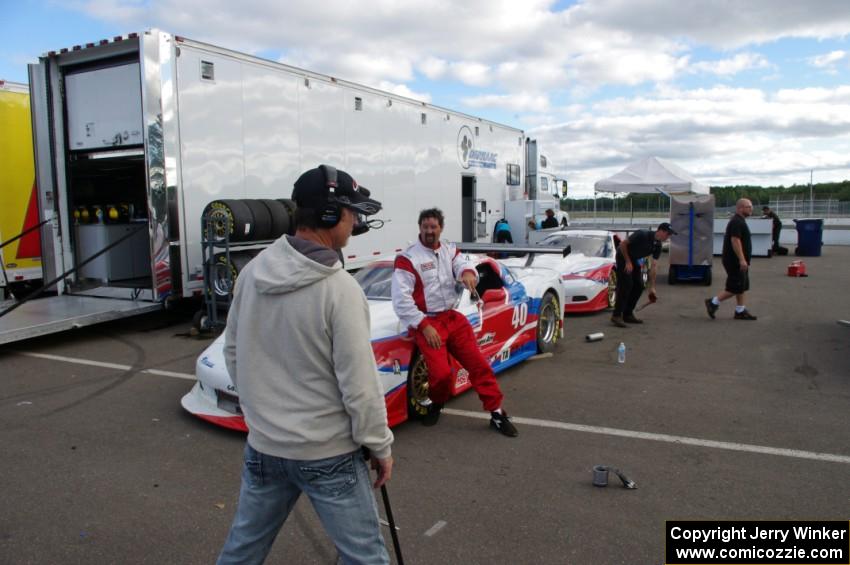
240, 222
244, 220
225, 270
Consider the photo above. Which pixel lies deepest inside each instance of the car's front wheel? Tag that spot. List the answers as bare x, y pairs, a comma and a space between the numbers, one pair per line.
548, 323
612, 289
417, 388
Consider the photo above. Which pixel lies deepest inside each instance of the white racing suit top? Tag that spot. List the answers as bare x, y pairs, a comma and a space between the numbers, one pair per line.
424, 281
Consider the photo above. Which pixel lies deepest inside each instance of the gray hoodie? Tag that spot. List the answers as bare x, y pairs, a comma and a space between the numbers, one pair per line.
297, 348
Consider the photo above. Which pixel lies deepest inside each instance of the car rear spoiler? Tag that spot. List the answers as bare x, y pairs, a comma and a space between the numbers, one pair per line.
512, 250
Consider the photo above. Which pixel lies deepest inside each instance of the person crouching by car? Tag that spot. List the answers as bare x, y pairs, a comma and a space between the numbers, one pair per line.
640, 244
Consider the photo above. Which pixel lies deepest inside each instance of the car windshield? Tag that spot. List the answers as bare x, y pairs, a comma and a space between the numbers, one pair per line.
588, 245
376, 281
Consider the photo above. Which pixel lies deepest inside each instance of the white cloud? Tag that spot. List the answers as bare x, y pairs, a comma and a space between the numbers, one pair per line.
403, 90
727, 67
523, 102
601, 79
472, 73
433, 68
722, 135
828, 61
727, 25
485, 43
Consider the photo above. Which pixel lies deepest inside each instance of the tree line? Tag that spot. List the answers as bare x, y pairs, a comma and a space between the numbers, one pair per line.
723, 196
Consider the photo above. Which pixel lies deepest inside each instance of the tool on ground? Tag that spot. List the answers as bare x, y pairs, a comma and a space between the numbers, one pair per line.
600, 477
594, 337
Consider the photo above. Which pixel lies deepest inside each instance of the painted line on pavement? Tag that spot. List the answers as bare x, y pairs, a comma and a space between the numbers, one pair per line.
682, 440
116, 366
435, 528
731, 446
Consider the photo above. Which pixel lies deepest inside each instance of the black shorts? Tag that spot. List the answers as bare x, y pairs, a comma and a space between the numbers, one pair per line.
737, 281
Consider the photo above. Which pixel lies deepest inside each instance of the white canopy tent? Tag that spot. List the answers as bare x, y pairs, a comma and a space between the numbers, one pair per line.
648, 176
651, 175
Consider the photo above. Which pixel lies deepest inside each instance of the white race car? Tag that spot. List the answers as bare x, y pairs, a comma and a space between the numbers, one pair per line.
518, 315
587, 273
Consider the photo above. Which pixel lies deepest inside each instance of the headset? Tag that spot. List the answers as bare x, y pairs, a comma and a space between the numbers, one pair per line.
330, 215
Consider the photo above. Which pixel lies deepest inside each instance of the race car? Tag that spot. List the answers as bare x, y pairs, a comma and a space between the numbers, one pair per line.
587, 273
518, 314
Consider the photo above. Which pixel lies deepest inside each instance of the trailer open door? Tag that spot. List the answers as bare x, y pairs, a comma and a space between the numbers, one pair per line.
468, 209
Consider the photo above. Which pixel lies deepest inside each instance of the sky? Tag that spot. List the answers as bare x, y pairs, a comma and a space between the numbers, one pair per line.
735, 92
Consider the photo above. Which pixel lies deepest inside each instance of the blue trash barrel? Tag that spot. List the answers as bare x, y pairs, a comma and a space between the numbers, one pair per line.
809, 237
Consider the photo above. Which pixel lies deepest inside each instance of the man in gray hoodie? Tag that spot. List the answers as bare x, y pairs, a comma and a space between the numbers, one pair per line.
297, 347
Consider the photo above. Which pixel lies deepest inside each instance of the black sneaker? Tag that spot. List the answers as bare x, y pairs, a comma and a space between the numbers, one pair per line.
630, 319
711, 307
502, 424
433, 415
745, 315
618, 321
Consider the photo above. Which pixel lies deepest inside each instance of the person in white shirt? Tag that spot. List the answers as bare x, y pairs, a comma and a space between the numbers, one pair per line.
424, 295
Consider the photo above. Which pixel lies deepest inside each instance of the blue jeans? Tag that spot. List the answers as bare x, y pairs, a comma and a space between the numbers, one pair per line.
339, 488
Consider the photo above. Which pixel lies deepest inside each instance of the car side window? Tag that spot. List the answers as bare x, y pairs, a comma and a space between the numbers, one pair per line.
487, 279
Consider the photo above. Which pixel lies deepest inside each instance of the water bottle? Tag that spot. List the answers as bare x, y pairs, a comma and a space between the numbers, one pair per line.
621, 353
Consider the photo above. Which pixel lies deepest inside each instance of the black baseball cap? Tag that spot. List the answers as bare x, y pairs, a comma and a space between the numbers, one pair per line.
668, 228
312, 191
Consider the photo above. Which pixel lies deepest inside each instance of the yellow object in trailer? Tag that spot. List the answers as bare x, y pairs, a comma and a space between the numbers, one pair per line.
21, 259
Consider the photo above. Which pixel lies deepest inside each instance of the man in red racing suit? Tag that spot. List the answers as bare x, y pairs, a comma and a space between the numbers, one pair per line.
424, 296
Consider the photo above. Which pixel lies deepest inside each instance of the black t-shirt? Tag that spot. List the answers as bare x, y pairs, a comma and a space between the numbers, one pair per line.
642, 243
549, 222
737, 227
777, 223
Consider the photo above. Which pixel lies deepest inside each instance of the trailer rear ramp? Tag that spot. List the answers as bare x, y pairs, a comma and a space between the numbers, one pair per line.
59, 313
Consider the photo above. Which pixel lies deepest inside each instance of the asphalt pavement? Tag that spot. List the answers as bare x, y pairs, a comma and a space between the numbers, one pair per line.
713, 419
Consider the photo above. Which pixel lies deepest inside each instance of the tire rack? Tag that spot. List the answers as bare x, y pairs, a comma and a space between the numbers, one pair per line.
213, 316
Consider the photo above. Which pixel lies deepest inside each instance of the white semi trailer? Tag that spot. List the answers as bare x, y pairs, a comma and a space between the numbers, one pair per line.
160, 125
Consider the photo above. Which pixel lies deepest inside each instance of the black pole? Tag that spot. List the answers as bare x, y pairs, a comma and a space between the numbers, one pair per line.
22, 234
390, 519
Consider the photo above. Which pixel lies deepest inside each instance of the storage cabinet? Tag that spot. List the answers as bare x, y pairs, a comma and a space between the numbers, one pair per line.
128, 260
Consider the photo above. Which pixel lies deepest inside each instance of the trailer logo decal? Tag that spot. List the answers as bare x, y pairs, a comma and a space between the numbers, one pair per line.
469, 156
465, 145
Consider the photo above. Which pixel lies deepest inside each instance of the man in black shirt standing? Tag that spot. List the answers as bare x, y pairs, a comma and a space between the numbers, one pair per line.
737, 253
769, 214
640, 244
550, 221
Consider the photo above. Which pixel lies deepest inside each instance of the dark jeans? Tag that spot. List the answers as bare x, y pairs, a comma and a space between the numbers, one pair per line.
629, 289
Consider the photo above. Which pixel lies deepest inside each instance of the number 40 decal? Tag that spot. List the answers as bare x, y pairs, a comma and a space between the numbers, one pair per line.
520, 315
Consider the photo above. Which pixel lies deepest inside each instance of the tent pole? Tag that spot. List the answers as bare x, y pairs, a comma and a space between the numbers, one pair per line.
594, 206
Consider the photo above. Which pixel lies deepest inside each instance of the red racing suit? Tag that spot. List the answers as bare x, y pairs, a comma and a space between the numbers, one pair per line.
424, 294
